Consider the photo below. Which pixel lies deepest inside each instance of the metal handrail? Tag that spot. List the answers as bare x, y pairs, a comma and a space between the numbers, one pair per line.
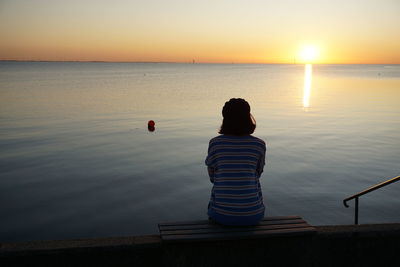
373, 188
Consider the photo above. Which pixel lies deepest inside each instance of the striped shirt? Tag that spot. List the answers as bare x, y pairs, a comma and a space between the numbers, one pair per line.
235, 164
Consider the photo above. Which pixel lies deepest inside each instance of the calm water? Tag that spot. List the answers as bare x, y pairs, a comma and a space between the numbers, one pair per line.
78, 161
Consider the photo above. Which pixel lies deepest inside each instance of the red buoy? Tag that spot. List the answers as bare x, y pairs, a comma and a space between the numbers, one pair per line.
151, 123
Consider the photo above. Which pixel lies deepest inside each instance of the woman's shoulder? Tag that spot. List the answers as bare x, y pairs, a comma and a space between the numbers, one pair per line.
257, 139
223, 137
218, 138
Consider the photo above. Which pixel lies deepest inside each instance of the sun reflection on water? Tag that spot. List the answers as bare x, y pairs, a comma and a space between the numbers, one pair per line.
307, 85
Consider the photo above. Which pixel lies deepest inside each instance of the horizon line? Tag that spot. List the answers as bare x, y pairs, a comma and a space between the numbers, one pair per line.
191, 63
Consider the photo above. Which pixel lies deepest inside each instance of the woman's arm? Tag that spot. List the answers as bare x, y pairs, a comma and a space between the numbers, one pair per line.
261, 164
211, 174
210, 164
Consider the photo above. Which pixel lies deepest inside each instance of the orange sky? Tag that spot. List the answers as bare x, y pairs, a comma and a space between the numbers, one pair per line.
251, 31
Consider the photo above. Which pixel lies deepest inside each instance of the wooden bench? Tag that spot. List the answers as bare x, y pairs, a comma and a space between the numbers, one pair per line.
207, 230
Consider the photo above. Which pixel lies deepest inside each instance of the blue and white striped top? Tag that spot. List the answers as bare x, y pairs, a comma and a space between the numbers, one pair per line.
235, 164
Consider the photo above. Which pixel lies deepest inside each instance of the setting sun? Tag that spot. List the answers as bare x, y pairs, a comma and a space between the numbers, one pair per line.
309, 53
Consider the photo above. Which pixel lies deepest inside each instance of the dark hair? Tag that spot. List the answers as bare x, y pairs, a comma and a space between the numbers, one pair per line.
237, 118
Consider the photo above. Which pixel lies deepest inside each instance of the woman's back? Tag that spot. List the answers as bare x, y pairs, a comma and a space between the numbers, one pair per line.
236, 163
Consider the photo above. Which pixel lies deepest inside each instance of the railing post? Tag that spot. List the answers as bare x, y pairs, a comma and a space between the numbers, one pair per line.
356, 212
355, 197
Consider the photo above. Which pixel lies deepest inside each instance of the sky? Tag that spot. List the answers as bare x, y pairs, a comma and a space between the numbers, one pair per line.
212, 31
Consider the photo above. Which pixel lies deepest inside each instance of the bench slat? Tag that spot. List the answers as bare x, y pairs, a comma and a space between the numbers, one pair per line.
234, 229
208, 230
210, 225
239, 235
275, 218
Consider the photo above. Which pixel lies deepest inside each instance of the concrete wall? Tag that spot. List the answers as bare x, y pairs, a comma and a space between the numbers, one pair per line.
364, 245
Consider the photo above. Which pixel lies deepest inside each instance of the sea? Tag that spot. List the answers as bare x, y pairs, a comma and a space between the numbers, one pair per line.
77, 159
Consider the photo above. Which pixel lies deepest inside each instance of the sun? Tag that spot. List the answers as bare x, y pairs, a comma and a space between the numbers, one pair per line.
309, 53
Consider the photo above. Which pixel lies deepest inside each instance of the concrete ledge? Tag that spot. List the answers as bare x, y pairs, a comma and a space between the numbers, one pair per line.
336, 245
96, 243
365, 229
113, 251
